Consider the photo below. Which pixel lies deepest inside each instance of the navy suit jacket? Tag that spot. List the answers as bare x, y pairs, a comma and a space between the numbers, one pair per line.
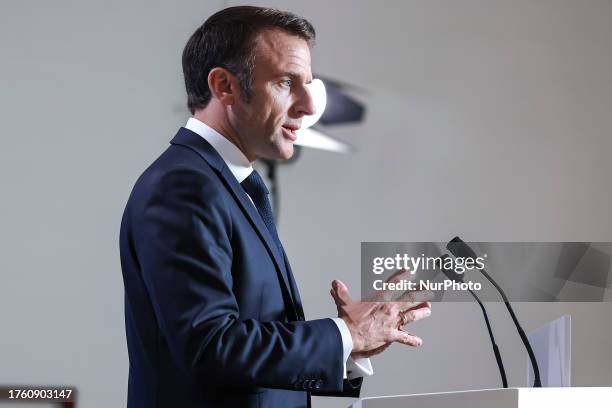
213, 316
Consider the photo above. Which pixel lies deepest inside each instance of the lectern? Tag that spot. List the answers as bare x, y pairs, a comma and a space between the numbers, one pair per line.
569, 397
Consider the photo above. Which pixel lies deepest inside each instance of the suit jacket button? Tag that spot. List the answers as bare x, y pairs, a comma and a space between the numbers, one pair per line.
318, 384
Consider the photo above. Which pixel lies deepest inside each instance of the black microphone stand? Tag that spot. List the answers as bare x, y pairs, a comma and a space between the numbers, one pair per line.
498, 359
500, 363
459, 248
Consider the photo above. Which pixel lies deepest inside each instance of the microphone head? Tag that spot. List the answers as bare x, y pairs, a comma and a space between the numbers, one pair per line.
460, 249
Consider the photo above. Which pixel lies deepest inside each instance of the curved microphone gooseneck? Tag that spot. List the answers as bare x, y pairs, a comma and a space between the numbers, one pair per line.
460, 249
500, 364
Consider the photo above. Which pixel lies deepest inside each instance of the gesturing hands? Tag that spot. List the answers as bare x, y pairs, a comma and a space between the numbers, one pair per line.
375, 325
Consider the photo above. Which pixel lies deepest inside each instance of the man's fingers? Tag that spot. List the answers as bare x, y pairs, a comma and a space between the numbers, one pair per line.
397, 276
405, 306
340, 293
422, 304
388, 295
408, 339
415, 314
417, 296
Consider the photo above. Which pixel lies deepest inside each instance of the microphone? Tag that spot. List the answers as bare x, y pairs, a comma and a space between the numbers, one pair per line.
458, 277
460, 249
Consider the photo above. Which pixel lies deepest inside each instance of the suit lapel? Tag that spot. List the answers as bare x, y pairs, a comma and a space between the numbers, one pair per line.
187, 138
295, 294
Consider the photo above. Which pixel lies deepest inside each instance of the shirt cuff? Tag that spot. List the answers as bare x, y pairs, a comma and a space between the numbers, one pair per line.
353, 368
359, 367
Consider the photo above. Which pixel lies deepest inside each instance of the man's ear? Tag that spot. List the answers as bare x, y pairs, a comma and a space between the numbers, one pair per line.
222, 85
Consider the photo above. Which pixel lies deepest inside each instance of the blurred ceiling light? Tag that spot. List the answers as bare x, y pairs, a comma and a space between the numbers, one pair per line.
342, 109
319, 98
319, 140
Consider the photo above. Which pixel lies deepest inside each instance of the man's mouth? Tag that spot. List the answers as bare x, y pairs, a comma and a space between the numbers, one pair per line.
289, 131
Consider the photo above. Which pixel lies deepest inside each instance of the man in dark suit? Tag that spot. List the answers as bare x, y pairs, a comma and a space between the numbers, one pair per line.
213, 313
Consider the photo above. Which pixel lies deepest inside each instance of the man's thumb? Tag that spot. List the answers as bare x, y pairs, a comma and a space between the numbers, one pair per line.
340, 293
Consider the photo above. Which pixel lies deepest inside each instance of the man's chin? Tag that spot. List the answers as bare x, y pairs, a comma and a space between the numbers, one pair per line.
287, 152
278, 151
284, 152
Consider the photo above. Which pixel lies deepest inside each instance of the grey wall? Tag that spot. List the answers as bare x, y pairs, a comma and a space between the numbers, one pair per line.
486, 119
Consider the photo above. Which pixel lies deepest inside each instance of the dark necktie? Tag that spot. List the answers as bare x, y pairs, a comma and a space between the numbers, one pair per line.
257, 190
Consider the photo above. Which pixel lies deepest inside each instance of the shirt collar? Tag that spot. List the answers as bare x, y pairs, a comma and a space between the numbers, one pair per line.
235, 160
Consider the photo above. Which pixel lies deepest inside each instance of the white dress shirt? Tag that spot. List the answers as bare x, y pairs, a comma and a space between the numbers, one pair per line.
241, 167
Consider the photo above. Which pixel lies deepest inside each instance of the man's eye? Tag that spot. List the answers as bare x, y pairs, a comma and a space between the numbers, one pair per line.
287, 83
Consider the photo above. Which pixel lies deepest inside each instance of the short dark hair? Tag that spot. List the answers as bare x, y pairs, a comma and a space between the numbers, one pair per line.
226, 39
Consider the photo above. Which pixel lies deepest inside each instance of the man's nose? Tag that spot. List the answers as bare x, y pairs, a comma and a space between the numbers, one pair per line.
305, 104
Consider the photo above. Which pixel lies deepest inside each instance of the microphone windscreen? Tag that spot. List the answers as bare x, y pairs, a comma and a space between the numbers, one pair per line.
460, 249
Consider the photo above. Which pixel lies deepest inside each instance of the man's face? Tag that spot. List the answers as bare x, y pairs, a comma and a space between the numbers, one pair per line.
266, 125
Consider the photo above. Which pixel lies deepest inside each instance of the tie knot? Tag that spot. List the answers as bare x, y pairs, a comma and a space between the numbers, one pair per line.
254, 185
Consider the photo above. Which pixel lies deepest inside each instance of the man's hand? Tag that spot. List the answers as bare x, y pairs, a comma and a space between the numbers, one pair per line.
375, 325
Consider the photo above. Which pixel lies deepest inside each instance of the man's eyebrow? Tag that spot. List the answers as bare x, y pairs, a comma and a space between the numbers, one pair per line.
296, 76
